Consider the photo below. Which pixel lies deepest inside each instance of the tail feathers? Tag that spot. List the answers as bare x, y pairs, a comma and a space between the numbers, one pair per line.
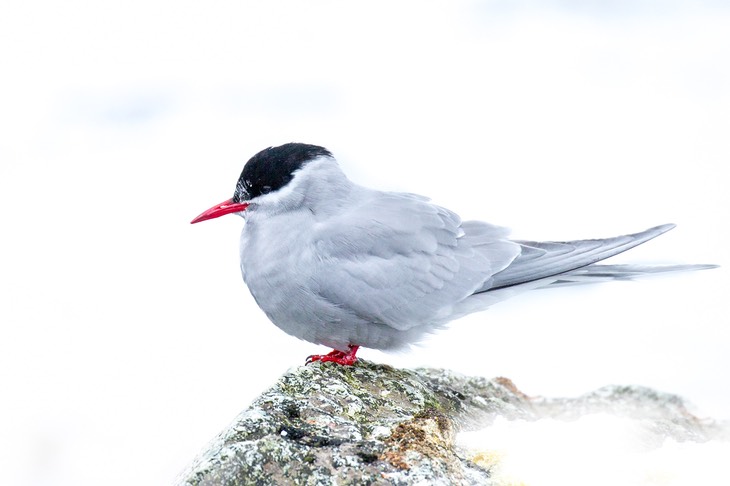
602, 273
586, 275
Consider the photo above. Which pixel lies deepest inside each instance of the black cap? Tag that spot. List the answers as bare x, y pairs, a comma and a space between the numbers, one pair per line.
273, 168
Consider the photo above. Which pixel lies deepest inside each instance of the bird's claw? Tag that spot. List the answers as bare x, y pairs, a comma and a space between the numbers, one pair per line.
335, 356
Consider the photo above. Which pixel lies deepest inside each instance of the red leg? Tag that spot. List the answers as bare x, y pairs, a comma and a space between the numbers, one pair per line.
346, 359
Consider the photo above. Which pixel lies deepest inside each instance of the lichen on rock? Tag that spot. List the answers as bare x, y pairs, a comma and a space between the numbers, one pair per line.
327, 424
374, 424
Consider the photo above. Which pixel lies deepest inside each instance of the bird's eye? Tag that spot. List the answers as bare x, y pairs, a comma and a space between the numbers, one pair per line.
265, 189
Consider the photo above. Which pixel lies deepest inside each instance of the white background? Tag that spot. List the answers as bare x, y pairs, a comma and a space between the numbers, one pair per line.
128, 339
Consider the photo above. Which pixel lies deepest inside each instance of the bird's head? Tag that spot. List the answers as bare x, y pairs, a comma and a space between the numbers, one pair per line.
267, 178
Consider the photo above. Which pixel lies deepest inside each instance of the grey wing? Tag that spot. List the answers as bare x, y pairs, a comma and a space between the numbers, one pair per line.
400, 261
539, 260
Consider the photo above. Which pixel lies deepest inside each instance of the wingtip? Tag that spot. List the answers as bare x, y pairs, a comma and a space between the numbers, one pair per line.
663, 228
654, 231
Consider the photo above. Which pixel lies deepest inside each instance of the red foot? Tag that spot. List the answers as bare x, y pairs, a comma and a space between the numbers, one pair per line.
346, 359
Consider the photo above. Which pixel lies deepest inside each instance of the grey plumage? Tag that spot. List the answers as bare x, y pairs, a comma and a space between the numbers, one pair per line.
338, 264
544, 259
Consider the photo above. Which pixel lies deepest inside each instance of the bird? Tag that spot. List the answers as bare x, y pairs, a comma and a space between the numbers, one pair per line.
341, 265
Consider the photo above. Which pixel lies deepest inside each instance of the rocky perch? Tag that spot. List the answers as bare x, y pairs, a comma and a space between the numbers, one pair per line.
373, 424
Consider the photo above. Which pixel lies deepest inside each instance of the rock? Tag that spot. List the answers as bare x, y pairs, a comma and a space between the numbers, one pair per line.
373, 424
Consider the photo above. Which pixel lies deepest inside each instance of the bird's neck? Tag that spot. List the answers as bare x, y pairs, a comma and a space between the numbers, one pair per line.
329, 191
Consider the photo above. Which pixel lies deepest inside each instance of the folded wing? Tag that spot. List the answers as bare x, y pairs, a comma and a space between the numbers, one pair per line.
538, 260
401, 261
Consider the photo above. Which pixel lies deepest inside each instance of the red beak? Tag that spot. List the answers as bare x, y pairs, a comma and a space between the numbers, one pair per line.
218, 210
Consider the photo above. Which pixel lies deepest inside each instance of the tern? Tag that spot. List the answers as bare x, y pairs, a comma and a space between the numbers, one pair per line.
335, 263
